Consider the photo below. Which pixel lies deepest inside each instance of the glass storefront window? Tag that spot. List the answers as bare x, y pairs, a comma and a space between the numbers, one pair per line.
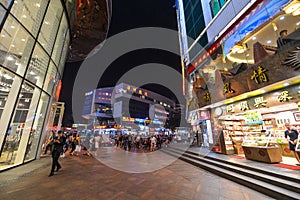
71, 9
64, 55
30, 13
38, 66
37, 128
15, 46
50, 25
5, 2
254, 43
51, 78
19, 131
2, 13
61, 35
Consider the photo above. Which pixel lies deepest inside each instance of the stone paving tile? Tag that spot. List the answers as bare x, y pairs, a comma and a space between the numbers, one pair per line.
85, 177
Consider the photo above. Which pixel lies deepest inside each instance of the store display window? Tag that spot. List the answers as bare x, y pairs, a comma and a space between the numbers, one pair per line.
37, 128
20, 129
15, 46
30, 13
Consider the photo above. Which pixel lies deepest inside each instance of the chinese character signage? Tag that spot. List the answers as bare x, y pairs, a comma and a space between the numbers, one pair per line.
206, 96
227, 88
284, 96
244, 106
259, 75
260, 102
230, 108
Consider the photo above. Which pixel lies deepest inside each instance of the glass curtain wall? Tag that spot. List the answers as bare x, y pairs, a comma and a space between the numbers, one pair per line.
34, 40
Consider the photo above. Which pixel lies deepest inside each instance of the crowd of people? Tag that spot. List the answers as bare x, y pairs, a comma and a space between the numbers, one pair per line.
140, 143
59, 144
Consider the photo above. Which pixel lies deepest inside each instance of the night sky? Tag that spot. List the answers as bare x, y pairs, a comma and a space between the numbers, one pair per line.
129, 14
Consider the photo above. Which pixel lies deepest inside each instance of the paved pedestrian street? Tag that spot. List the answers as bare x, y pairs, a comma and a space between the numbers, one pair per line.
84, 177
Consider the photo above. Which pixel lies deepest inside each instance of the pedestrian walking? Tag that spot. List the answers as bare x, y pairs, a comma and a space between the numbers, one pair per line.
58, 144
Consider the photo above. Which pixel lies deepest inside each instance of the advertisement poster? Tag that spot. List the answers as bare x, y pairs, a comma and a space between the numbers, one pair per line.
252, 118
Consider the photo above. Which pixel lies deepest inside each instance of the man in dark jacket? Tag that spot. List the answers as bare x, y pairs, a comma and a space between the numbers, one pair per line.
58, 144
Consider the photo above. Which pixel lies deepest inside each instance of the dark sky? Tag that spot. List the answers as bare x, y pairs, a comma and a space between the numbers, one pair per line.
129, 14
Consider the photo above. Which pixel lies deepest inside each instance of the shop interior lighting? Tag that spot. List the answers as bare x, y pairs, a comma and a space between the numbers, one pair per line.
269, 42
282, 18
24, 16
2, 35
38, 5
23, 40
286, 84
9, 58
296, 12
275, 28
12, 26
254, 38
294, 6
238, 49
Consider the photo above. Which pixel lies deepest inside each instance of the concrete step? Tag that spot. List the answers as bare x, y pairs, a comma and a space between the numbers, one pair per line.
253, 168
257, 181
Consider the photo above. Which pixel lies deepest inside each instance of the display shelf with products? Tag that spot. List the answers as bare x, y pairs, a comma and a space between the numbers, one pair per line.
262, 146
233, 133
228, 144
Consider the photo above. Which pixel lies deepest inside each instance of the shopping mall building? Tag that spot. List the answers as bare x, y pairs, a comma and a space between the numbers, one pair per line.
243, 72
128, 107
35, 38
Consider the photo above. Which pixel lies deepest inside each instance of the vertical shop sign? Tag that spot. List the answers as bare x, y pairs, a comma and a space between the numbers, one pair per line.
284, 96
206, 96
244, 106
259, 101
259, 75
227, 88
230, 108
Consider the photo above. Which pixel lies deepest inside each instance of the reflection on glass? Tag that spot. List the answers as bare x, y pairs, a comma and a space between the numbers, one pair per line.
15, 46
64, 55
51, 78
50, 25
2, 13
5, 2
61, 35
20, 128
38, 66
30, 13
6, 81
37, 128
257, 45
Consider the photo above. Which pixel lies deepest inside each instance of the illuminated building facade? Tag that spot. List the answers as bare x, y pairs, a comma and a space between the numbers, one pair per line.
249, 62
35, 36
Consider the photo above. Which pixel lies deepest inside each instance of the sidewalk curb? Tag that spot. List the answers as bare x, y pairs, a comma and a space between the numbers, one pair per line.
14, 174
